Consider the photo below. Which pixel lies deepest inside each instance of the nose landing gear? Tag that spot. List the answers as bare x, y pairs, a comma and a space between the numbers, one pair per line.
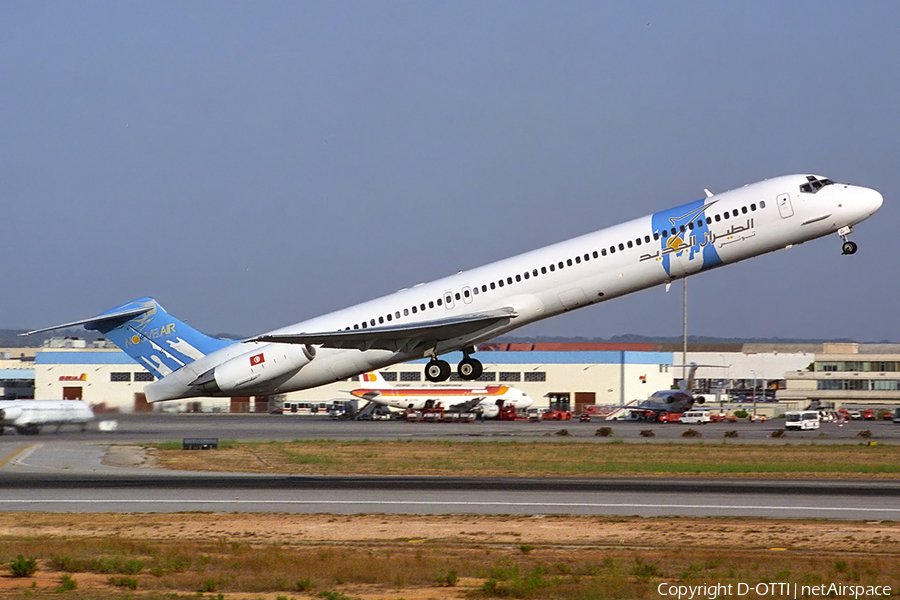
847, 247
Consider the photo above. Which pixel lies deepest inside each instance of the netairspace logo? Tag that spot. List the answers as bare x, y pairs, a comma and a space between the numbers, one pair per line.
771, 590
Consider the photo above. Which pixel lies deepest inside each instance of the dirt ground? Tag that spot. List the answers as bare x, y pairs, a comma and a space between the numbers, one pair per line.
547, 534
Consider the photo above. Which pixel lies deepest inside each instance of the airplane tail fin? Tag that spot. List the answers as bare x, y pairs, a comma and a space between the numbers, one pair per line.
375, 378
151, 336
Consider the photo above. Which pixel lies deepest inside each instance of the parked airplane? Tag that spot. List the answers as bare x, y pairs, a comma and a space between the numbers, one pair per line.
488, 400
674, 401
29, 416
460, 311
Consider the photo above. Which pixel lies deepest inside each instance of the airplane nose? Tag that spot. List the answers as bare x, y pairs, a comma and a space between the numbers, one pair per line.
874, 201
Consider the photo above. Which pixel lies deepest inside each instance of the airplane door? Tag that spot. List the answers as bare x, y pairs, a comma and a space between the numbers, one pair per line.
784, 206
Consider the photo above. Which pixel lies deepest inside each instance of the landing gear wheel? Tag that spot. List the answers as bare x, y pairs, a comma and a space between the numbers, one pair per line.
469, 369
437, 370
848, 247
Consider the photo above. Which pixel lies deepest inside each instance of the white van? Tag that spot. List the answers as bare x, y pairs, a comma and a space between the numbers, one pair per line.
801, 419
695, 416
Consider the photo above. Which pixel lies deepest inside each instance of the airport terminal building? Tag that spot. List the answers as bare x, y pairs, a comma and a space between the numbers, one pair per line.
568, 376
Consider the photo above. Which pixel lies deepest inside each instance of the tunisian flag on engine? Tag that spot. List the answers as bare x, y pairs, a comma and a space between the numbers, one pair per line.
257, 359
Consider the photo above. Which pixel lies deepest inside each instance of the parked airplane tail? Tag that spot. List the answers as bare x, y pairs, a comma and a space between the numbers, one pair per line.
151, 336
374, 378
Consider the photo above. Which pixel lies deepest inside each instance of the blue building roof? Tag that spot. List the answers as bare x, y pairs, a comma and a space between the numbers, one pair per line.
111, 357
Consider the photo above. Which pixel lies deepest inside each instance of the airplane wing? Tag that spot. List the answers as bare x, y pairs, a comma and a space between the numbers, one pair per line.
396, 337
467, 405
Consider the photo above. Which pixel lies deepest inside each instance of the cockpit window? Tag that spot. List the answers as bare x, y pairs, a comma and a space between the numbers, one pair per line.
814, 184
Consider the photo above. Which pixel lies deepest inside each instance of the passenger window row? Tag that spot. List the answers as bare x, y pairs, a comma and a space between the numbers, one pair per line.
553, 267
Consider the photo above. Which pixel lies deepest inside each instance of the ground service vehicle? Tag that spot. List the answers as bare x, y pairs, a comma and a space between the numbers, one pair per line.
695, 416
801, 420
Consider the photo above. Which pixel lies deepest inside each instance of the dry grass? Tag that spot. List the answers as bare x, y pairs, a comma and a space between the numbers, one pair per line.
518, 459
372, 556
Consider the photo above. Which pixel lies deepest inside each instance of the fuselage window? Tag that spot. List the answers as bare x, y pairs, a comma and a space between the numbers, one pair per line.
373, 322
500, 283
753, 207
364, 325
603, 251
718, 218
596, 255
415, 310
439, 302
527, 275
734, 212
465, 293
422, 307
621, 246
381, 319
543, 270
509, 280
493, 285
690, 226
518, 278
397, 315
726, 215
474, 292
449, 298
646, 239
709, 220
744, 209
612, 249
552, 267
630, 244
389, 317
683, 227
638, 241
431, 304
561, 265
357, 326
675, 231
656, 235
700, 223
762, 203
484, 288
458, 296
405, 312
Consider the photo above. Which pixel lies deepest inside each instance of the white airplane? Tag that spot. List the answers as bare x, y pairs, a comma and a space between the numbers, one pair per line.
458, 312
488, 400
29, 416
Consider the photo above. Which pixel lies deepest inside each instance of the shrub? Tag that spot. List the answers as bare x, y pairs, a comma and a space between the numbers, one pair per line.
66, 583
731, 434
647, 433
741, 413
777, 433
865, 433
604, 432
691, 433
23, 567
563, 432
126, 582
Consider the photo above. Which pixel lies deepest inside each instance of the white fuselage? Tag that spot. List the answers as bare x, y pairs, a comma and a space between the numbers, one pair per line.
718, 230
28, 416
489, 397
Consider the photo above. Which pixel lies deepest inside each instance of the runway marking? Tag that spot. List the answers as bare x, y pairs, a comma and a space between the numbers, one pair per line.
456, 503
22, 452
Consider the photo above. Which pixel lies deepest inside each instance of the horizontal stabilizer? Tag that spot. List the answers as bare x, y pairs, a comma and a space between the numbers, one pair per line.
97, 321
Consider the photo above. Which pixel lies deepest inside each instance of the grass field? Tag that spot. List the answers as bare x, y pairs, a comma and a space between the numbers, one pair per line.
272, 557
538, 459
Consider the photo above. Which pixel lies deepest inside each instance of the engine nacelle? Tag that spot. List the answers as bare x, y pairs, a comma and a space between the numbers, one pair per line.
255, 368
11, 414
491, 411
699, 400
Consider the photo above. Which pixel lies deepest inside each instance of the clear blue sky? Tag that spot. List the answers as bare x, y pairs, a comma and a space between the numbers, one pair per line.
253, 164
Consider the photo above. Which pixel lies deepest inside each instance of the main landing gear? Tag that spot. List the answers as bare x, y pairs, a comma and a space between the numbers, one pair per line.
847, 247
468, 369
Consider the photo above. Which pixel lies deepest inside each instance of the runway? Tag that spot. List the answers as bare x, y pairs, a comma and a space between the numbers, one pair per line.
65, 473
